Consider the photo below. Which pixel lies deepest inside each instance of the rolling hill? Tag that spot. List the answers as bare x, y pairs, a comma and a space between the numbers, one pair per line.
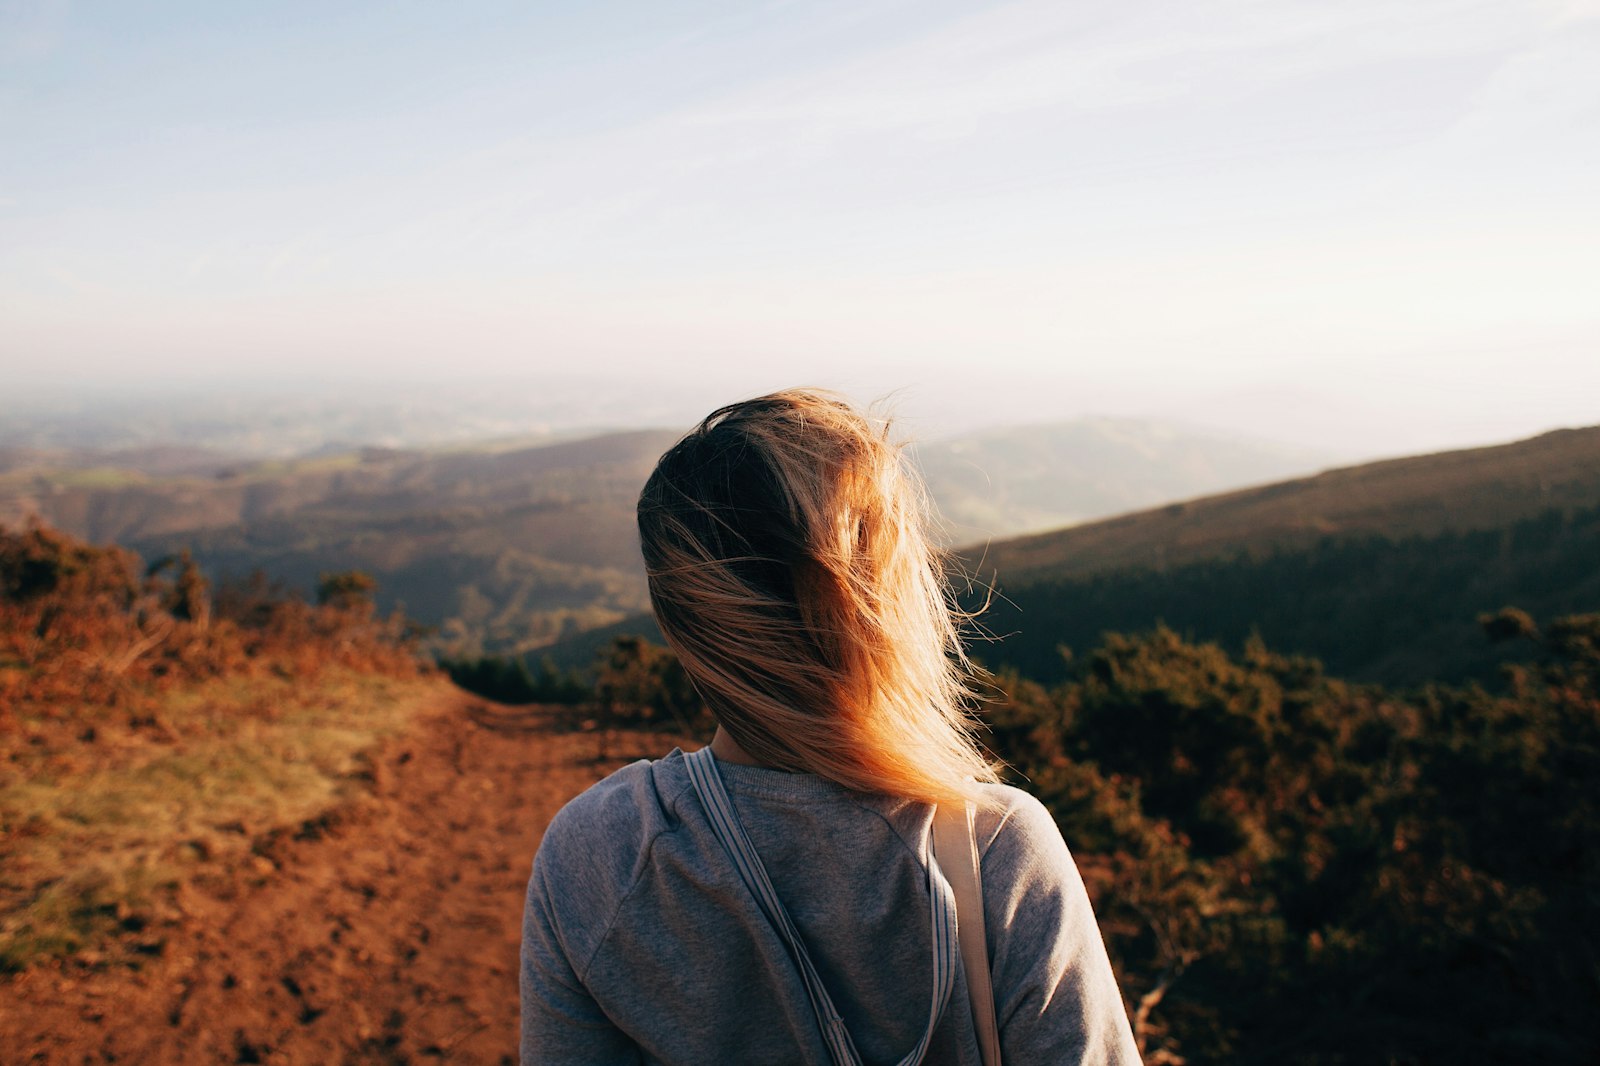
1474, 488
513, 547
507, 548
1380, 570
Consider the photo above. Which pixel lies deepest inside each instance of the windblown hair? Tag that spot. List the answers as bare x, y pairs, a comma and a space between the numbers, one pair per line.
790, 572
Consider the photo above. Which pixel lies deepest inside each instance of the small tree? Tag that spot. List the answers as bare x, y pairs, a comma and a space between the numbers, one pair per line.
188, 597
642, 685
1508, 623
346, 589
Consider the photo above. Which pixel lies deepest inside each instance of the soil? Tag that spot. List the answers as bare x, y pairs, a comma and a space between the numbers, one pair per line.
384, 933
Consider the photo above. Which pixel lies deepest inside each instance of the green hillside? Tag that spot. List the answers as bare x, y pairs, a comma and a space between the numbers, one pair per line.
1475, 488
1377, 570
1288, 868
1372, 608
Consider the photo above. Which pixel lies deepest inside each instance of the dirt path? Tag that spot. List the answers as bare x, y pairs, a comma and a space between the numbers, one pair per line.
387, 935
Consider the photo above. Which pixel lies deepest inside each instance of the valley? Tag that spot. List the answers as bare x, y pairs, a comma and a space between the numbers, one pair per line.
510, 548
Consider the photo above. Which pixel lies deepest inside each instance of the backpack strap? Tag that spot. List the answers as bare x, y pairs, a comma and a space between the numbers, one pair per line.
725, 822
956, 845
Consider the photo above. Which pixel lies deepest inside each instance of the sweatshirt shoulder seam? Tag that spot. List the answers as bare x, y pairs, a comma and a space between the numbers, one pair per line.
638, 879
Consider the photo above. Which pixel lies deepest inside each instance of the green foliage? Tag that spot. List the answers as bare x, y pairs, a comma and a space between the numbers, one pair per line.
39, 561
511, 681
637, 685
642, 685
1292, 869
1289, 868
1397, 611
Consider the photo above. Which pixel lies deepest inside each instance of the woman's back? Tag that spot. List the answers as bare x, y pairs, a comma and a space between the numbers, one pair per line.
641, 938
789, 571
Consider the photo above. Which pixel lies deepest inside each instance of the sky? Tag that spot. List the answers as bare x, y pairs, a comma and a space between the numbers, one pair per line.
1362, 226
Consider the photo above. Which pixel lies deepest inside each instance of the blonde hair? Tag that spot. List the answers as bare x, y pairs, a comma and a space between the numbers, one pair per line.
789, 570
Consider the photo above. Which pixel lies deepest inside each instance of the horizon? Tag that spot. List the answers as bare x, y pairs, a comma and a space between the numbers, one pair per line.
408, 415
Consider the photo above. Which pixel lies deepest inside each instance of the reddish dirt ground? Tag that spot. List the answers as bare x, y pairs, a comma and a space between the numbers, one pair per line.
386, 934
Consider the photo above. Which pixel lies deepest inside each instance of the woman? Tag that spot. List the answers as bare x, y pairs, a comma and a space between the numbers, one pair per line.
789, 571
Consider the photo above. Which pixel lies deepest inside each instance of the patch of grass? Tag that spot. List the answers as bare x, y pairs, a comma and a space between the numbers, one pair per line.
28, 480
97, 477
82, 909
89, 848
268, 469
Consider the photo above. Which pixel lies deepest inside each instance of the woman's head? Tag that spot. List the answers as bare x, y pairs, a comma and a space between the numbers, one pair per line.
789, 570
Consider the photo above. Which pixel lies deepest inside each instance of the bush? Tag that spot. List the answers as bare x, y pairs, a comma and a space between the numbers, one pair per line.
1291, 869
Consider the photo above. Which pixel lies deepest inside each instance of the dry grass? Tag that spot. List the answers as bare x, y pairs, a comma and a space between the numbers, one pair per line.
150, 733
94, 843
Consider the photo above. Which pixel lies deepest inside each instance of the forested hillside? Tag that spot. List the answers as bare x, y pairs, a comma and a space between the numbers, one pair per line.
1371, 607
1376, 570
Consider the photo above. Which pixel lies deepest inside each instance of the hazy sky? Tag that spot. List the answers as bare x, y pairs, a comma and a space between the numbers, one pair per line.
1302, 220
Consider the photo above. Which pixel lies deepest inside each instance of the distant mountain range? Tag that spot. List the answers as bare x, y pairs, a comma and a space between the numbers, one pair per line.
515, 546
1381, 570
308, 418
528, 548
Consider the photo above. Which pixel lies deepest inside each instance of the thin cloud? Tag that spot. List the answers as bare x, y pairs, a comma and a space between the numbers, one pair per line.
1049, 56
31, 29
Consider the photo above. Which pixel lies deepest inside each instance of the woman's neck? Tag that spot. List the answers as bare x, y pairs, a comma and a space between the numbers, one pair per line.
724, 747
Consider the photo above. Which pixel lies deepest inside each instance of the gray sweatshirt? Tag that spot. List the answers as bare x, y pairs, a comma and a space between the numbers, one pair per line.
641, 944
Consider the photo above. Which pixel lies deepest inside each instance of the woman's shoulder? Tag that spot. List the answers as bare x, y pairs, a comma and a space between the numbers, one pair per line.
613, 821
629, 802
1016, 831
591, 855
1011, 810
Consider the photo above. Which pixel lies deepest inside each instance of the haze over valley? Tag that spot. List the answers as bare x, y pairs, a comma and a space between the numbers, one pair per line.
510, 545
523, 544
